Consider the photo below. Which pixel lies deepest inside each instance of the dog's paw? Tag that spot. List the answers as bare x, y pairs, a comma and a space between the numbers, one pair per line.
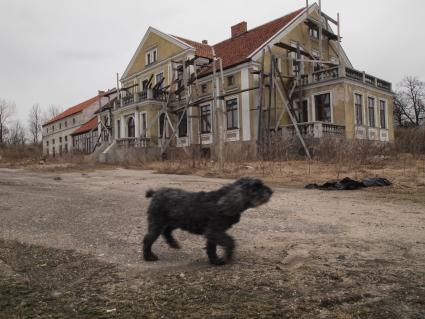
151, 257
217, 262
175, 245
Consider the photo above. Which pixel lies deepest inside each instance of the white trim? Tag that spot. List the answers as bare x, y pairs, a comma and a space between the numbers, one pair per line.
331, 102
172, 39
246, 107
148, 53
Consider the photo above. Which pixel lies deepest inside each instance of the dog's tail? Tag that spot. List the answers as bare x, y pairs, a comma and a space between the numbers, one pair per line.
150, 193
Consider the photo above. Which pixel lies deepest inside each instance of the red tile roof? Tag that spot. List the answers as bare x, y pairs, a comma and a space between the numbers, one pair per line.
237, 50
90, 125
202, 50
74, 110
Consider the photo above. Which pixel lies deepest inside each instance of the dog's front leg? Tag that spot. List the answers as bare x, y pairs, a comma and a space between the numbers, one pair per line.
221, 239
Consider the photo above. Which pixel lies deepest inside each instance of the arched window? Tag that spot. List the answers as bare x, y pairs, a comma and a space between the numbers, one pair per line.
131, 131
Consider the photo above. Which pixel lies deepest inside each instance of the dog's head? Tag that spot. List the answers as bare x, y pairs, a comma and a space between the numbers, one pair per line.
247, 192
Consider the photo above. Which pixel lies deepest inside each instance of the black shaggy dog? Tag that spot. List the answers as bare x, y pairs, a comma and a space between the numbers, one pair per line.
205, 213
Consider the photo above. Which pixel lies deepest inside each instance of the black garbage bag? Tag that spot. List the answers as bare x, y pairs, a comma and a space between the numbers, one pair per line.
350, 184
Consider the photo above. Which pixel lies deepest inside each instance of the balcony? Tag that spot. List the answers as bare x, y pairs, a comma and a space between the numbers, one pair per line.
349, 73
142, 96
313, 129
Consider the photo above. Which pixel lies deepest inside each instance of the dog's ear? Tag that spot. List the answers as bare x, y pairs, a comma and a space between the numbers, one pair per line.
232, 203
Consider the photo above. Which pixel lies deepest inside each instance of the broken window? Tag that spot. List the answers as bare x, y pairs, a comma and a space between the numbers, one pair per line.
232, 114
313, 32
383, 113
151, 56
183, 124
144, 125
231, 80
131, 131
371, 108
160, 80
206, 119
322, 104
162, 120
358, 105
302, 111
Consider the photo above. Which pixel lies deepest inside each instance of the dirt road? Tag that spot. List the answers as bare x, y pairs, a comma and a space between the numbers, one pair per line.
70, 246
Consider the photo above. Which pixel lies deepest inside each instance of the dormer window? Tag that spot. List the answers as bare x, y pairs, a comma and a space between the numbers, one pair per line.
151, 56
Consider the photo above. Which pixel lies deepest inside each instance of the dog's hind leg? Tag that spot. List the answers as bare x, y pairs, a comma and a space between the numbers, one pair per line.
153, 234
168, 236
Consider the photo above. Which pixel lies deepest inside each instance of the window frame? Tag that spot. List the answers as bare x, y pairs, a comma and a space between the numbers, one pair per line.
297, 101
330, 103
207, 115
375, 124
180, 131
385, 127
234, 111
363, 122
151, 56
231, 80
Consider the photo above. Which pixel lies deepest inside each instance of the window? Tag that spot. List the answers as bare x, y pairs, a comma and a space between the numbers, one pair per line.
231, 80
206, 119
66, 148
53, 128
143, 125
54, 151
47, 143
60, 149
53, 141
297, 66
232, 114
313, 32
73, 121
358, 107
183, 124
162, 120
145, 85
371, 108
66, 123
47, 130
118, 129
204, 88
131, 131
60, 139
302, 111
151, 56
383, 113
60, 126
160, 79
66, 138
316, 56
322, 104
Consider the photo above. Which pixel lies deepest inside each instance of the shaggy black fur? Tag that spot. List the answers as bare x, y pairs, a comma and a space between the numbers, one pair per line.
205, 213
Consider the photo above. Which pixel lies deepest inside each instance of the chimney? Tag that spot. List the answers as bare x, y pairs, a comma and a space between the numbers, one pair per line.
204, 41
239, 29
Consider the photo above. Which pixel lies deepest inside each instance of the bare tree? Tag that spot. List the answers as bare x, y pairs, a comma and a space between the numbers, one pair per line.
51, 112
409, 102
34, 123
6, 111
16, 134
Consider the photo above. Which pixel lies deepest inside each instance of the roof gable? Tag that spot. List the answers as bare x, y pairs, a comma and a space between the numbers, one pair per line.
139, 55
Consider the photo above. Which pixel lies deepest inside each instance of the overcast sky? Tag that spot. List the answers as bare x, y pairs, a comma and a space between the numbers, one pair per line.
62, 52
